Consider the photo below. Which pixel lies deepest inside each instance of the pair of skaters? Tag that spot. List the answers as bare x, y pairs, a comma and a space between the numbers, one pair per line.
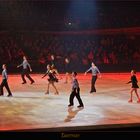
25, 71
95, 74
75, 85
134, 81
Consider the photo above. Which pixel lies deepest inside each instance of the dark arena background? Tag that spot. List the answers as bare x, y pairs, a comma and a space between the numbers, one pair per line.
70, 34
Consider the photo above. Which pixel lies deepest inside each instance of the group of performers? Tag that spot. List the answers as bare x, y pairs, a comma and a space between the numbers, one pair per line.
53, 75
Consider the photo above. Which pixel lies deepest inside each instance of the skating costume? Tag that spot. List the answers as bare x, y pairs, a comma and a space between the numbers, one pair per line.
75, 93
134, 82
52, 77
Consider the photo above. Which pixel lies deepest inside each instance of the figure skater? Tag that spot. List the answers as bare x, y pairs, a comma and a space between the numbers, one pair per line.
5, 82
75, 91
25, 70
52, 79
134, 86
95, 72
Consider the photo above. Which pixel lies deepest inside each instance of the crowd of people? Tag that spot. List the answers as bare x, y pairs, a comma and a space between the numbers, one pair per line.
80, 50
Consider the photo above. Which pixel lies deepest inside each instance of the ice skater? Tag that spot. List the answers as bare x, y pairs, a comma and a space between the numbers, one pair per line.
75, 92
52, 79
25, 64
95, 72
5, 82
134, 82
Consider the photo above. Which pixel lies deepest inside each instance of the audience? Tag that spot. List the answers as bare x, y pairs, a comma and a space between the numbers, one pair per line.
80, 49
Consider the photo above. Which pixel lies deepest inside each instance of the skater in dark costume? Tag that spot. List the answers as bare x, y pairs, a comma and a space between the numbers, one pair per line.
134, 88
52, 79
95, 72
25, 70
55, 72
75, 92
